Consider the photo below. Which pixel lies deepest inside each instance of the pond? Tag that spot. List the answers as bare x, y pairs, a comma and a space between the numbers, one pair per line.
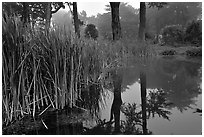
179, 79
173, 100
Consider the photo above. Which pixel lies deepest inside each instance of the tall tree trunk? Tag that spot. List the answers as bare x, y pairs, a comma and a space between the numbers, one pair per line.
141, 35
143, 98
48, 17
25, 12
116, 28
76, 20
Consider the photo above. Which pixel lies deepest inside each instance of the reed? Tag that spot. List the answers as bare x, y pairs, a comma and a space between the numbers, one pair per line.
41, 70
53, 70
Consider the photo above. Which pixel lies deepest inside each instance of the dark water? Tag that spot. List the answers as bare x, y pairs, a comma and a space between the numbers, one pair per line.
180, 79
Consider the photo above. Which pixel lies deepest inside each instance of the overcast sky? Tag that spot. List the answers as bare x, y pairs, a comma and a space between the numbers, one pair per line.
93, 8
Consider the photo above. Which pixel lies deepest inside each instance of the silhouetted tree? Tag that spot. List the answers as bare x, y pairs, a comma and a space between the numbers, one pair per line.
49, 12
141, 35
39, 13
25, 12
76, 20
48, 16
116, 28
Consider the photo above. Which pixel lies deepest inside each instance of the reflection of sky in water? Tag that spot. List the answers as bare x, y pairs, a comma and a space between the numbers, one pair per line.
181, 80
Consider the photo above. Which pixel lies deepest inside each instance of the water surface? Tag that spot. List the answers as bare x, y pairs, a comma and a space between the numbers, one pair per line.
180, 79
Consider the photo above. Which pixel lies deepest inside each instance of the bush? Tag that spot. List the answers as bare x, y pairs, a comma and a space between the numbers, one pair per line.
91, 31
194, 32
168, 52
194, 52
172, 34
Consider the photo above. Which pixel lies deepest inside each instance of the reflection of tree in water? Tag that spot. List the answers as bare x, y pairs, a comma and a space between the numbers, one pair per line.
90, 98
117, 100
133, 119
104, 127
183, 87
179, 79
156, 105
178, 84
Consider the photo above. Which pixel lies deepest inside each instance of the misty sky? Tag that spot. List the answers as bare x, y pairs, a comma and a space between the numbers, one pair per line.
93, 8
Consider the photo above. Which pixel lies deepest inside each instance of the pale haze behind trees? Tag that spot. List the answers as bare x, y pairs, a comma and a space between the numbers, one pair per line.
93, 8
180, 12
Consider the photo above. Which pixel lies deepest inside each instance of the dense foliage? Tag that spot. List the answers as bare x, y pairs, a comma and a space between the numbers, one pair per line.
172, 14
172, 34
194, 32
91, 31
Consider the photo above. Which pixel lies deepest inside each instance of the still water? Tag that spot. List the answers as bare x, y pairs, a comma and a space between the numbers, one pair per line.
180, 79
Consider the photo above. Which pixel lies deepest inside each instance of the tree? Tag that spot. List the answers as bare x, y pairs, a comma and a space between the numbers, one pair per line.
25, 15
141, 35
19, 9
76, 20
63, 20
103, 25
194, 32
116, 28
129, 18
91, 31
48, 17
181, 13
49, 12
37, 13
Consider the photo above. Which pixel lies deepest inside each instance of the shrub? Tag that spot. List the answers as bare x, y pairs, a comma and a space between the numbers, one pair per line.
172, 34
193, 32
168, 52
149, 36
91, 31
194, 52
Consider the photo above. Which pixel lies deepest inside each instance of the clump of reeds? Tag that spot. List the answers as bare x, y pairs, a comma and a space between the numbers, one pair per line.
55, 70
50, 70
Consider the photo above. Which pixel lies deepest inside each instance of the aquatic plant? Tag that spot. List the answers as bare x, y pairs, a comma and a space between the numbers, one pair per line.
42, 71
54, 70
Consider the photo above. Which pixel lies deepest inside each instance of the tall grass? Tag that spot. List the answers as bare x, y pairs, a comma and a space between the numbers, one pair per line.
42, 70
53, 70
